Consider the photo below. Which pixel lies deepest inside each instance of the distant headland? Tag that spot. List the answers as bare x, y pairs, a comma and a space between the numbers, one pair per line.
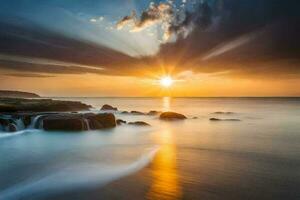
17, 94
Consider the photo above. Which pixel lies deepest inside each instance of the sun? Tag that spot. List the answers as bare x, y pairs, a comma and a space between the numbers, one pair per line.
166, 81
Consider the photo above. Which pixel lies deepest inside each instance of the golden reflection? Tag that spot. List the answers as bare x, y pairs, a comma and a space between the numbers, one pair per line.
165, 185
166, 103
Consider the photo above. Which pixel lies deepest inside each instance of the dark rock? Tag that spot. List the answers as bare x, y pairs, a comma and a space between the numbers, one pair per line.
26, 120
12, 127
137, 113
139, 123
4, 122
172, 116
124, 112
17, 94
102, 120
153, 112
214, 119
223, 113
9, 105
64, 123
108, 107
120, 122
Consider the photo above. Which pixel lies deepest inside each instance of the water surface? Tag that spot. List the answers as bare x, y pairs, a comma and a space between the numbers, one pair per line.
255, 158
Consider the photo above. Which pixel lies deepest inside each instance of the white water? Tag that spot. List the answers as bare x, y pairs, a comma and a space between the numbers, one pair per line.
86, 121
87, 175
34, 122
20, 125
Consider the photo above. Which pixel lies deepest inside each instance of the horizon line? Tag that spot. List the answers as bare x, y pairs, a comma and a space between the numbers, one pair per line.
170, 96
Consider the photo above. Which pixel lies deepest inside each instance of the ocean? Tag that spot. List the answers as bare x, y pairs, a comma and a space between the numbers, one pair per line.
257, 157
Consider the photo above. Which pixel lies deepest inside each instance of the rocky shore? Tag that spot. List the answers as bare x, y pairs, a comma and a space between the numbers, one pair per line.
10, 105
54, 115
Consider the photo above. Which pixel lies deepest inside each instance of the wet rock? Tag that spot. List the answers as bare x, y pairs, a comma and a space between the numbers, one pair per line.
120, 122
64, 123
124, 112
153, 112
218, 119
11, 105
134, 112
108, 107
102, 120
172, 116
139, 123
223, 113
12, 127
4, 122
78, 122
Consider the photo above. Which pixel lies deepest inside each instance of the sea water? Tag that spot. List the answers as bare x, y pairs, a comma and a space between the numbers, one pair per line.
257, 157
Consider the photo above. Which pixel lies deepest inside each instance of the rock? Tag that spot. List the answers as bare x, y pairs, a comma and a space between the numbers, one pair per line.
136, 112
120, 122
124, 112
102, 120
108, 107
172, 116
64, 123
214, 119
153, 112
78, 122
4, 122
195, 118
217, 119
12, 127
10, 105
223, 113
17, 94
139, 123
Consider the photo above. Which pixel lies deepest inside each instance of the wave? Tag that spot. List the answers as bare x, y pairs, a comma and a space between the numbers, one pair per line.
6, 135
72, 177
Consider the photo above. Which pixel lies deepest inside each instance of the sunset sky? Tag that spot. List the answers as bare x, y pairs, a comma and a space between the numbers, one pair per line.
124, 47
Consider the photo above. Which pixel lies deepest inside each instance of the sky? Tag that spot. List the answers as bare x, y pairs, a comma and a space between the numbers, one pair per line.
124, 47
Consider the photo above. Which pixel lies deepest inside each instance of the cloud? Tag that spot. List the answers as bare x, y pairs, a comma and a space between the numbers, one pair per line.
28, 75
253, 39
174, 20
162, 13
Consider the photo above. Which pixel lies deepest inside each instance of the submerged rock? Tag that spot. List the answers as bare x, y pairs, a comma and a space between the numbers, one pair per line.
153, 112
171, 116
108, 107
12, 127
120, 122
218, 119
134, 112
139, 123
223, 113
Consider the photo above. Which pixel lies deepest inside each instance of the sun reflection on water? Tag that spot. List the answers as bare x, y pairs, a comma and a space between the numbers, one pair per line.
164, 172
166, 103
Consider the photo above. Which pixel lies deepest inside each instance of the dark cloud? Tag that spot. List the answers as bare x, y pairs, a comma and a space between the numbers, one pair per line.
241, 37
28, 75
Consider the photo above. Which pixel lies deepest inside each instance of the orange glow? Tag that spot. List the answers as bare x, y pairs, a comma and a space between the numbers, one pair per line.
192, 85
165, 185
